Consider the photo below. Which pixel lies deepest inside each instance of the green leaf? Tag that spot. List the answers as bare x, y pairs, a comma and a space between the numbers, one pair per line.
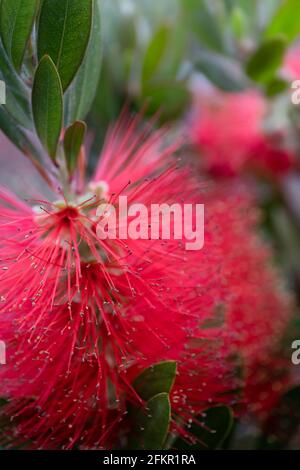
73, 141
165, 54
47, 104
282, 422
80, 95
285, 21
156, 379
214, 427
238, 22
63, 34
170, 98
276, 86
151, 425
201, 20
155, 52
222, 72
3, 402
17, 95
16, 21
267, 59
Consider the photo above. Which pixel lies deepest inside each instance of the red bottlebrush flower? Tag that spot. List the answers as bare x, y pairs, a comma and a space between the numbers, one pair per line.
80, 315
256, 307
267, 380
77, 312
258, 315
228, 130
225, 127
269, 157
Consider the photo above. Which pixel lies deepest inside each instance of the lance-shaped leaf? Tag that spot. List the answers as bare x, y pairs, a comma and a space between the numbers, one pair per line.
210, 430
267, 59
17, 95
3, 401
151, 424
285, 20
222, 72
47, 104
155, 52
82, 91
276, 86
203, 23
63, 34
16, 20
170, 98
156, 379
73, 141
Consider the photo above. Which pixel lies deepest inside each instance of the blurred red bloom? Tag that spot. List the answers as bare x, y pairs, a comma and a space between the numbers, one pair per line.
81, 316
228, 131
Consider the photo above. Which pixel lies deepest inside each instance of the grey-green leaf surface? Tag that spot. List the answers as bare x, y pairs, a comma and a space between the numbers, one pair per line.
63, 34
222, 72
16, 21
155, 52
17, 95
156, 379
151, 424
203, 23
82, 91
74, 137
47, 104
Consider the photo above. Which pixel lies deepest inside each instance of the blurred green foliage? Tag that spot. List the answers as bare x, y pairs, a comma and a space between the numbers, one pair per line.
153, 49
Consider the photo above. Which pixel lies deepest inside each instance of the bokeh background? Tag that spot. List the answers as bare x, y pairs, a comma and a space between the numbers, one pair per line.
221, 73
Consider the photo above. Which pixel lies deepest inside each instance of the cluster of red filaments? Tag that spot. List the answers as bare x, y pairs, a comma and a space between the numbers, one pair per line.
82, 316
